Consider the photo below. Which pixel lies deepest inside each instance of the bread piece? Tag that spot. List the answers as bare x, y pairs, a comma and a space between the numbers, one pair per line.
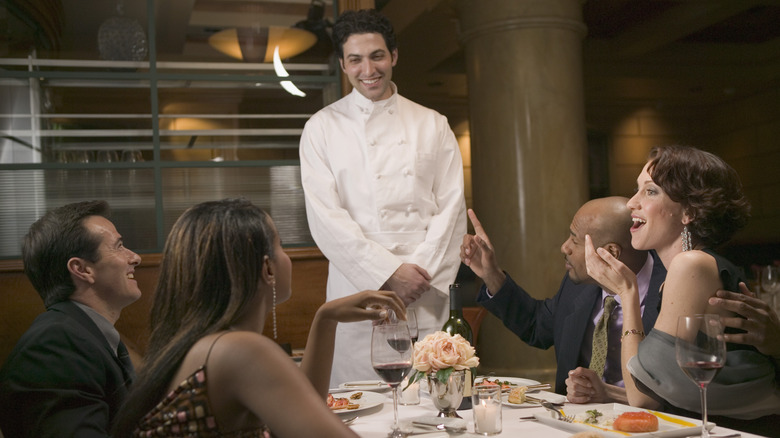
517, 395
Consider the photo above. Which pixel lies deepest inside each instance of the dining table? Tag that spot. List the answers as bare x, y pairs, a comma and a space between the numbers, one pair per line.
376, 422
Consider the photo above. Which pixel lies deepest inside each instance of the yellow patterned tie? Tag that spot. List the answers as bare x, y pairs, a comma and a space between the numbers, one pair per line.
600, 339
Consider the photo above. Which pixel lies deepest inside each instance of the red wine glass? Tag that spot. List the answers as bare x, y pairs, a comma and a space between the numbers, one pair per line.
701, 353
391, 357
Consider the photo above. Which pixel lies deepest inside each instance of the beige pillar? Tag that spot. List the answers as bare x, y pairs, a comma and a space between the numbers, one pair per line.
528, 143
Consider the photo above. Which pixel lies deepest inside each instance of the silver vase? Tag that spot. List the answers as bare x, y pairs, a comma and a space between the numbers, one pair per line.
447, 395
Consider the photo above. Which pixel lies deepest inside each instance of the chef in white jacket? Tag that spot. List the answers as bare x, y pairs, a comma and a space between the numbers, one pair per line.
383, 182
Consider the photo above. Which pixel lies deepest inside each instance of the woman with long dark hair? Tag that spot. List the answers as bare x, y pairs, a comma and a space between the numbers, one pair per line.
208, 370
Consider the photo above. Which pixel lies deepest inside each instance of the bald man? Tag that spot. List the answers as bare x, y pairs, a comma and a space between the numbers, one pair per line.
568, 319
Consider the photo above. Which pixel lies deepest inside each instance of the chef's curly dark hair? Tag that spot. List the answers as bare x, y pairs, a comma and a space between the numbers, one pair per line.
708, 189
362, 21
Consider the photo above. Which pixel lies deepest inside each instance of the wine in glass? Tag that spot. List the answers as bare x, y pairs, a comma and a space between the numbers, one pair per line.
391, 357
701, 353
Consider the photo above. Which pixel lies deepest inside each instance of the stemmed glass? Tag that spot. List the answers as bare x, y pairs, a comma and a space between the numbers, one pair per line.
411, 322
391, 357
701, 353
770, 283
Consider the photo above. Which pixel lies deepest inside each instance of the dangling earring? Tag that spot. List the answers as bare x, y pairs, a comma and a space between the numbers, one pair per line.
273, 307
686, 239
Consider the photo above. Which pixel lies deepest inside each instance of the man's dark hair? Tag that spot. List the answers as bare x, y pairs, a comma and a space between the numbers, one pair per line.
52, 240
359, 22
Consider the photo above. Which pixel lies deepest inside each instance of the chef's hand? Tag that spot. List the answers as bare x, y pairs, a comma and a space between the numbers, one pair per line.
477, 253
760, 322
409, 281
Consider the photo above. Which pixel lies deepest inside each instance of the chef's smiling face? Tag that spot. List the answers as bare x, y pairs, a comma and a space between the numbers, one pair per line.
369, 65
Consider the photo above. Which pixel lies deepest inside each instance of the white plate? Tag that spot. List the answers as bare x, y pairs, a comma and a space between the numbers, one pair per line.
545, 395
367, 401
365, 385
669, 426
513, 381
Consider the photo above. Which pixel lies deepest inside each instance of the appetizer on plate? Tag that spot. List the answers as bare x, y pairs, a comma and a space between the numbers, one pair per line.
336, 403
632, 421
517, 395
504, 384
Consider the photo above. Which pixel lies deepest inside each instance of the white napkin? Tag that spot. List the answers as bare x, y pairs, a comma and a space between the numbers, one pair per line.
551, 397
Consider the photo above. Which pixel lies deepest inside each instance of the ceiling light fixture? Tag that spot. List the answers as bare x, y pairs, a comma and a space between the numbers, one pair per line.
252, 44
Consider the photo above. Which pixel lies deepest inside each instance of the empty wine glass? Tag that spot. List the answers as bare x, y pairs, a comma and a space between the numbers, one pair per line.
391, 357
770, 283
410, 393
132, 156
701, 353
411, 322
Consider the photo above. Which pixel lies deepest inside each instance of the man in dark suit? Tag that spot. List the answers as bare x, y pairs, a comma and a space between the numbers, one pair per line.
69, 372
568, 319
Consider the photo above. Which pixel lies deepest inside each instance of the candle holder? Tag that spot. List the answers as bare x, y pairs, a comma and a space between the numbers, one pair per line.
486, 404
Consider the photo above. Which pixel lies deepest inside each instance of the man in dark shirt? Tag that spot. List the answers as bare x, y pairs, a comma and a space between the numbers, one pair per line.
69, 372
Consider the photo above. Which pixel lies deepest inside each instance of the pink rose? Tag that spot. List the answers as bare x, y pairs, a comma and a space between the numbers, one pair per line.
440, 350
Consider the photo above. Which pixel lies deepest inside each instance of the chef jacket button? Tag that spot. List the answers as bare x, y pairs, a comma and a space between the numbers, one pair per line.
401, 142
390, 111
378, 176
409, 209
372, 142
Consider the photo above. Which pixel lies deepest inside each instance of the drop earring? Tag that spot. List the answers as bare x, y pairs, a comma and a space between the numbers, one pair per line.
686, 239
273, 307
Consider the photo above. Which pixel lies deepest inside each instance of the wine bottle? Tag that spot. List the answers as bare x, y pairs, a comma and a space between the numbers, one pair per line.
457, 325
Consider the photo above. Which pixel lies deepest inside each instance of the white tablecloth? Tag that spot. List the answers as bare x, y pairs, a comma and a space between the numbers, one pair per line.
376, 422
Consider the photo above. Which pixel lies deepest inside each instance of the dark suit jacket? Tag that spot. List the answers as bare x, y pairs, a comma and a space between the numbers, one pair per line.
62, 378
563, 319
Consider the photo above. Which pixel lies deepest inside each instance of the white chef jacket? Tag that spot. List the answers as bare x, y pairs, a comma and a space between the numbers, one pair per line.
383, 183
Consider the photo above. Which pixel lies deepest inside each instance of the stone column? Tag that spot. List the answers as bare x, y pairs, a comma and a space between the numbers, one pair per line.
528, 142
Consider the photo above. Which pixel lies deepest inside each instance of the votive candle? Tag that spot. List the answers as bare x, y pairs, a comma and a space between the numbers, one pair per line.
486, 404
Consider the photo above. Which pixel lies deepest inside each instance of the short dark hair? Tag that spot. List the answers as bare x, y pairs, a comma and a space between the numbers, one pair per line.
362, 21
52, 240
708, 189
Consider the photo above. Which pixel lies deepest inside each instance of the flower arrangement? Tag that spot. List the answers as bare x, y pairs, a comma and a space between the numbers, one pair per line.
441, 353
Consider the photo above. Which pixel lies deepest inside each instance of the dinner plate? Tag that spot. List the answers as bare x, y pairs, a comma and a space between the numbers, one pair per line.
669, 426
544, 395
366, 385
366, 401
513, 381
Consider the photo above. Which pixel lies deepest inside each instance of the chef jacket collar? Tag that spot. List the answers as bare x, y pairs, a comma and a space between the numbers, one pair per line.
366, 105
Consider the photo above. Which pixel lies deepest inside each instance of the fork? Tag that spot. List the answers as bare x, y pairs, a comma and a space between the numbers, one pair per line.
550, 407
350, 420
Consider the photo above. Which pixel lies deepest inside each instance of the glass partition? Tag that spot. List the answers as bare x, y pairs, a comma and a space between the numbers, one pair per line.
155, 105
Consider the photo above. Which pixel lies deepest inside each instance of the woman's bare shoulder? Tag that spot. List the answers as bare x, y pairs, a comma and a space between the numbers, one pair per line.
694, 262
